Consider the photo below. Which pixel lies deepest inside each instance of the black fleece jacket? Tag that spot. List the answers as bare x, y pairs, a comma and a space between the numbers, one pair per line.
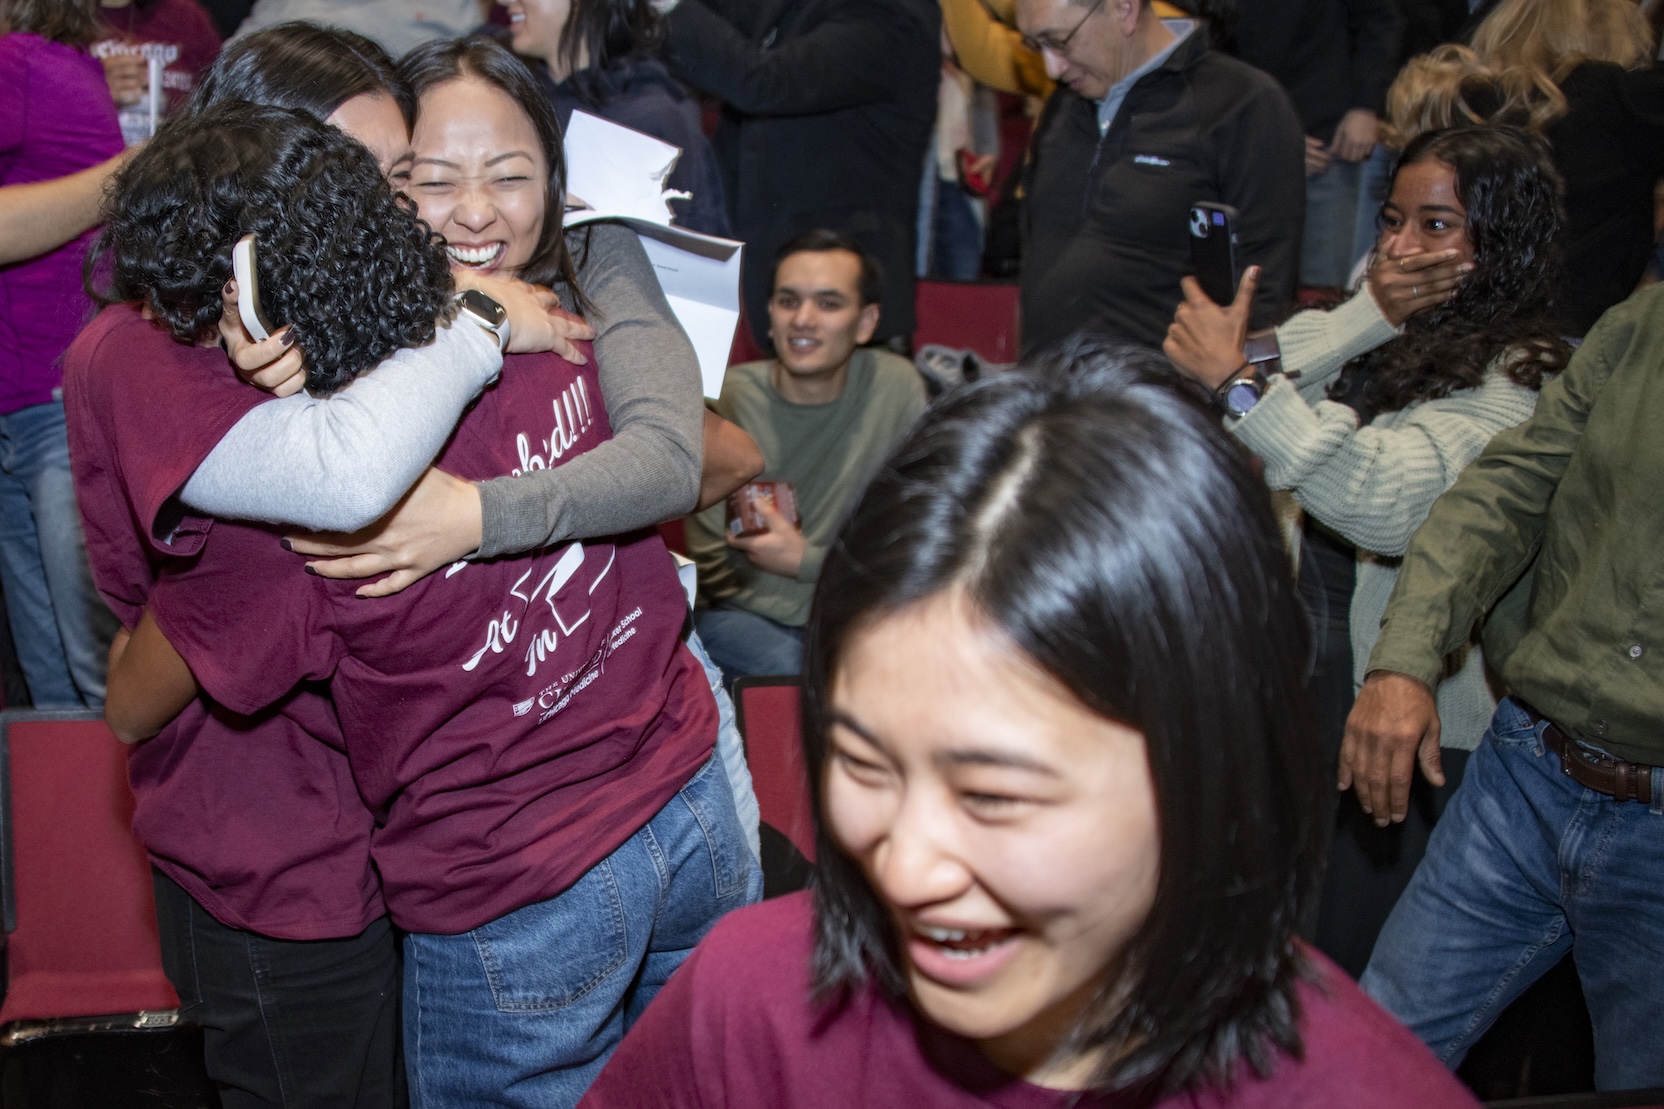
1105, 220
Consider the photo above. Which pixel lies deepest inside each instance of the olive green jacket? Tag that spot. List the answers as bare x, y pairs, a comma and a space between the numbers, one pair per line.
1557, 532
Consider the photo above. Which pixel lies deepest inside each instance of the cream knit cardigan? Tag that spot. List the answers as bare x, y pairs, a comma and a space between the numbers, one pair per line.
1374, 485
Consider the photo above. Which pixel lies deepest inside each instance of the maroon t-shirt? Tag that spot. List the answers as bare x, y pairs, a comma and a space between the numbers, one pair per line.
734, 1029
254, 816
509, 723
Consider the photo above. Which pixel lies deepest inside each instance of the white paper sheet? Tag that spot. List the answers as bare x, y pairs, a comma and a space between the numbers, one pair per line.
618, 174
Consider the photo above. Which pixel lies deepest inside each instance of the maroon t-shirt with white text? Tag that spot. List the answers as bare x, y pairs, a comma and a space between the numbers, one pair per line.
510, 723
735, 1029
258, 818
178, 32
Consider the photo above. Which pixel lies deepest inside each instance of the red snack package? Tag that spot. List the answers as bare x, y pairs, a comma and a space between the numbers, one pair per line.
743, 517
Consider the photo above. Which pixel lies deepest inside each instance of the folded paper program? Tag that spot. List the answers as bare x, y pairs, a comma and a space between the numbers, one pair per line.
615, 173
616, 170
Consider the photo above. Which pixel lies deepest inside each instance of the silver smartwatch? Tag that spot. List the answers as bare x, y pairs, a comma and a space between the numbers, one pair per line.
485, 312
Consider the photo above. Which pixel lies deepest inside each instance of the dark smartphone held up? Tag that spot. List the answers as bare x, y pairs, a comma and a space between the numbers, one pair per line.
1213, 250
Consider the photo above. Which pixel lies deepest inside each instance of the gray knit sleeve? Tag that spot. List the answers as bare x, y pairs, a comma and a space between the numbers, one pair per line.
649, 470
1375, 484
340, 462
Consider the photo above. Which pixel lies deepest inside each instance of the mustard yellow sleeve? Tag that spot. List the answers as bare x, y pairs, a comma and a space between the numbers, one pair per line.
992, 52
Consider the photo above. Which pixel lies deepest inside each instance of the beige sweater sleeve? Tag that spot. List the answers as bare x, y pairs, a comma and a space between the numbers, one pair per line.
1316, 345
1375, 484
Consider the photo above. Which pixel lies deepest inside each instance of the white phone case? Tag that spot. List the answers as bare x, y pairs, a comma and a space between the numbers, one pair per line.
248, 289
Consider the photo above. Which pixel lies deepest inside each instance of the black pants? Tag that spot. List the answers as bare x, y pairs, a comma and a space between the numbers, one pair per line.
287, 1023
1368, 867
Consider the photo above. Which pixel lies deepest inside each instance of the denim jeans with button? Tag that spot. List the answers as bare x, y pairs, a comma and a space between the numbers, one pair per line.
525, 1010
1526, 865
60, 624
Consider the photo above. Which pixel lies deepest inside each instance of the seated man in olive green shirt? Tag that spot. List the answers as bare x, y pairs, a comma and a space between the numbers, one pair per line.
1554, 841
825, 411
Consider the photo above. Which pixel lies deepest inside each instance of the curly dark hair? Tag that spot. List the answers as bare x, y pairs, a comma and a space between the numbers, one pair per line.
342, 260
1506, 180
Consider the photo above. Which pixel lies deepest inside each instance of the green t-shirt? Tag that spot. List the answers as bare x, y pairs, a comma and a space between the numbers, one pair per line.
827, 451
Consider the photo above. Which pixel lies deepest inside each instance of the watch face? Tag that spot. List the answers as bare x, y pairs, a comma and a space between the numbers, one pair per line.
483, 307
1241, 396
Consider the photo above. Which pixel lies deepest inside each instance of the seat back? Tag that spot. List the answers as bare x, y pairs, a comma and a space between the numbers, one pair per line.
974, 315
766, 710
76, 889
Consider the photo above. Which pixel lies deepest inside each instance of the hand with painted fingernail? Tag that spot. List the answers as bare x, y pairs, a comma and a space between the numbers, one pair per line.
274, 364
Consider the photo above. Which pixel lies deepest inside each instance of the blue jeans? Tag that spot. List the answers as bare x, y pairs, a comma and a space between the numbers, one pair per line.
956, 235
730, 748
1524, 866
744, 644
525, 1010
61, 626
1331, 213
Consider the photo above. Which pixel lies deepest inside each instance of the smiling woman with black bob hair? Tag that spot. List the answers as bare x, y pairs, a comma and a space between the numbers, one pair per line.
1068, 790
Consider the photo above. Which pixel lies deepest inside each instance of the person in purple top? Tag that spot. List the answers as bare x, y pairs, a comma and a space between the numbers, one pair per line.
1068, 793
56, 119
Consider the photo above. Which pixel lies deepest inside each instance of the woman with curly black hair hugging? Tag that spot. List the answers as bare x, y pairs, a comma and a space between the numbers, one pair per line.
1067, 793
530, 734
1366, 442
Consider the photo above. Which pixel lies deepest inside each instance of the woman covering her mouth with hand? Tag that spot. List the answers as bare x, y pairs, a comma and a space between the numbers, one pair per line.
1067, 786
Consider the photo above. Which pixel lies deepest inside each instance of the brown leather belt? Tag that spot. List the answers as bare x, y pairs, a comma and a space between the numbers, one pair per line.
1623, 781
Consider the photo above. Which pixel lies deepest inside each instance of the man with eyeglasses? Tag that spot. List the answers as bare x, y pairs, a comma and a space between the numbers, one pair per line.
1147, 121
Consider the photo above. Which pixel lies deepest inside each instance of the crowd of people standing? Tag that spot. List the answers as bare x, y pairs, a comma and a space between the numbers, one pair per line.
435, 755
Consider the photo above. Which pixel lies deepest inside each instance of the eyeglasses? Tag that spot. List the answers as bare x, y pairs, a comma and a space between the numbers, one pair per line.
1049, 41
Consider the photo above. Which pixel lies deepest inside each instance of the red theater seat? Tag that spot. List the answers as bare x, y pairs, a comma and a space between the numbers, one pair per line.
766, 710
83, 944
973, 315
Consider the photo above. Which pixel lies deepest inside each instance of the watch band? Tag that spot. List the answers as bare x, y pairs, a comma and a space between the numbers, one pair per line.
1238, 394
1262, 350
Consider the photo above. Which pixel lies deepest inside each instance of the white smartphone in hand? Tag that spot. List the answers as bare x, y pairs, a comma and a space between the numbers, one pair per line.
248, 289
